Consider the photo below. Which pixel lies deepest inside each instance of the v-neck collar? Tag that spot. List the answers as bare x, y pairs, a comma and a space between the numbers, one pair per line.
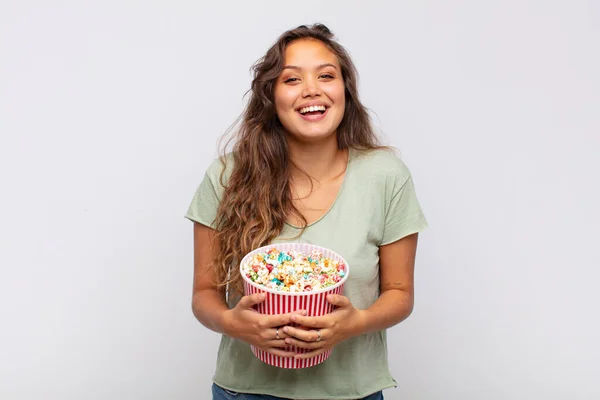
337, 197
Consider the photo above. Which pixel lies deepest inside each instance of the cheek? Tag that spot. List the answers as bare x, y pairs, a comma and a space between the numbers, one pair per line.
284, 98
283, 104
277, 99
338, 95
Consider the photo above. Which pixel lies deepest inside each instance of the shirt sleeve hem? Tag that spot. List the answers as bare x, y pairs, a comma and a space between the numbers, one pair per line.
201, 220
417, 226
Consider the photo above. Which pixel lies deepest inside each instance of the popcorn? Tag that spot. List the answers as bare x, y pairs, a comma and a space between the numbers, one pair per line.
293, 271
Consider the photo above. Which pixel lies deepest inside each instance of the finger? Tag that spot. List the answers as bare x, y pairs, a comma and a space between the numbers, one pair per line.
312, 322
304, 345
275, 334
310, 354
251, 300
309, 335
282, 319
280, 353
338, 300
279, 343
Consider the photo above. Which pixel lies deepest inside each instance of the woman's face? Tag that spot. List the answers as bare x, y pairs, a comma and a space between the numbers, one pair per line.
311, 77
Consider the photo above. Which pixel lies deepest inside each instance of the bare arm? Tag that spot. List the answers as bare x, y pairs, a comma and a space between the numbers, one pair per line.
208, 304
396, 277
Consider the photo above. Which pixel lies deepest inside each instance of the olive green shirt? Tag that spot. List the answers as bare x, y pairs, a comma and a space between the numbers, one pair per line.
376, 205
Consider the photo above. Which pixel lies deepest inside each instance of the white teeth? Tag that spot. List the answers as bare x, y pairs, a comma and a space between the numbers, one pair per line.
312, 109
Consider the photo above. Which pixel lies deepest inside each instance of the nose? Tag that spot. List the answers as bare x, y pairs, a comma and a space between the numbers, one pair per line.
311, 88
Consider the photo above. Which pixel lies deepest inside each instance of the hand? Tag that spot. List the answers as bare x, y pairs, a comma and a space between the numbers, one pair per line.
341, 324
245, 323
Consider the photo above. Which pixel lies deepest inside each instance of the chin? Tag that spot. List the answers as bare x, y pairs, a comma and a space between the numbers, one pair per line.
312, 136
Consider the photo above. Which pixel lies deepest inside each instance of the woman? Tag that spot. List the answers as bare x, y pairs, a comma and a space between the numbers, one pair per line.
306, 166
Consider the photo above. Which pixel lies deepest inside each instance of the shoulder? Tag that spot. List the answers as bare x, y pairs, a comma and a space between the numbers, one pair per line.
381, 164
220, 169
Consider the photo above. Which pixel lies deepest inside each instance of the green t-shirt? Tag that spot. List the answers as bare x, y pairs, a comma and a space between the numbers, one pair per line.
376, 205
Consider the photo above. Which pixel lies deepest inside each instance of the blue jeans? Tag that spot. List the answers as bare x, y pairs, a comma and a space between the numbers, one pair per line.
223, 394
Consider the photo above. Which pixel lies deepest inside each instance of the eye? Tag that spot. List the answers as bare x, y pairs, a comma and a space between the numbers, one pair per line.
290, 80
327, 76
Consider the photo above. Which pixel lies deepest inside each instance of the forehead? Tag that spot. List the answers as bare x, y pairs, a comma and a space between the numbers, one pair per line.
307, 53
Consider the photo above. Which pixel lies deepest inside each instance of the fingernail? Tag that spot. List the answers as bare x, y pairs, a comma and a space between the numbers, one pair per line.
286, 329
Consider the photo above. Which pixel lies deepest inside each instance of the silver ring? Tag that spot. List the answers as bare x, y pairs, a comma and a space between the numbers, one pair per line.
318, 335
277, 333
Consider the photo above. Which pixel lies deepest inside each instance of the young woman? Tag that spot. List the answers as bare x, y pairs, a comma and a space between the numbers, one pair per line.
306, 166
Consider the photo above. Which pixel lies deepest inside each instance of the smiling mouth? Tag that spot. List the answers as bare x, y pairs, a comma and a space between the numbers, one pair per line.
313, 115
312, 110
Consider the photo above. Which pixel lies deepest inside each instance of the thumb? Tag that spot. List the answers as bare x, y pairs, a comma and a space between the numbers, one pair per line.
252, 300
338, 300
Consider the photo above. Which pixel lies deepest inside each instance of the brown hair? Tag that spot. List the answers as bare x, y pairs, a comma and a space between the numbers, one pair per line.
257, 200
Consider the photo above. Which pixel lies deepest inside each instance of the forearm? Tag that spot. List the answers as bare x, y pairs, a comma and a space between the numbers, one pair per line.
392, 307
210, 309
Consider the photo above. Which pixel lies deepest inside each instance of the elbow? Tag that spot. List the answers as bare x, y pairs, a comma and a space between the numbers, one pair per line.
198, 305
406, 304
195, 307
409, 305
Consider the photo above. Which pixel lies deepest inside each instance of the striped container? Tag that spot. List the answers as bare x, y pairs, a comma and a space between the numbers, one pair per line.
314, 302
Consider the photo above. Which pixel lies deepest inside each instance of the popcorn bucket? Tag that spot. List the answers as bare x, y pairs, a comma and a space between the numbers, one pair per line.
276, 302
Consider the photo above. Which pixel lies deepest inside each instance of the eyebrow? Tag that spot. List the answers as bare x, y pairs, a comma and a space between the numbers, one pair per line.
319, 67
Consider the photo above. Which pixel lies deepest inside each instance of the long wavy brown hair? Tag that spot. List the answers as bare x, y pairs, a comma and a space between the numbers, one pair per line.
257, 200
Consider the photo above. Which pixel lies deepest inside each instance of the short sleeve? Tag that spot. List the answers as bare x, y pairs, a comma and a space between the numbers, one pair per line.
205, 203
403, 215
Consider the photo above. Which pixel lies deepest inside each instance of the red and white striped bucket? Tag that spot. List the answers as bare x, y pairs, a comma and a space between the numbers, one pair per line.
314, 302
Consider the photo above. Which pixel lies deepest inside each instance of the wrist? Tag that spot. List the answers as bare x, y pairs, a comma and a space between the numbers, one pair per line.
226, 322
362, 322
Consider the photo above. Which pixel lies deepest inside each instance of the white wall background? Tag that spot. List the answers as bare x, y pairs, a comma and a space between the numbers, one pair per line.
110, 112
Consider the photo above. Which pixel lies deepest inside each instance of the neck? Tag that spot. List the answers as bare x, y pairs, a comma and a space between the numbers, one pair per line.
321, 160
